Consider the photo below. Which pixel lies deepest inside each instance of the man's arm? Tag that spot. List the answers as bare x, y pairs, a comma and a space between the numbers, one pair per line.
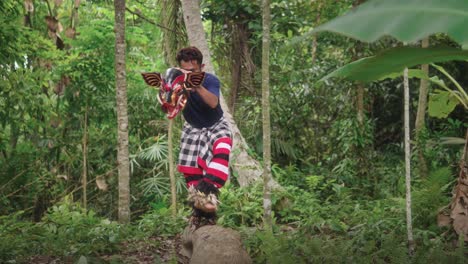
209, 98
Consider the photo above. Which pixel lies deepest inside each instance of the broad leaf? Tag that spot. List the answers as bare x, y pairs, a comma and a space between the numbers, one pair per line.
412, 73
395, 60
441, 104
452, 141
406, 20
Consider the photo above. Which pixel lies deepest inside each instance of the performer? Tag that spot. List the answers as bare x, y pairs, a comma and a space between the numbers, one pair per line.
206, 140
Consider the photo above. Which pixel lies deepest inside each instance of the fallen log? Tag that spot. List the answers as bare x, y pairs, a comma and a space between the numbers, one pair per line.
212, 244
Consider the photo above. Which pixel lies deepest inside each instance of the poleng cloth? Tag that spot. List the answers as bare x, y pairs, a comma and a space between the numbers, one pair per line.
196, 146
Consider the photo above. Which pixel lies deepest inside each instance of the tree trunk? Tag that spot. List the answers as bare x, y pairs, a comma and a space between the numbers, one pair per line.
314, 38
360, 87
360, 104
212, 244
122, 116
248, 169
409, 225
173, 30
457, 213
29, 6
84, 175
236, 66
266, 115
421, 115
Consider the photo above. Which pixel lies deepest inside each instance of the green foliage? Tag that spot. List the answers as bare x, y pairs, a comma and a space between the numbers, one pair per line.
410, 21
160, 222
288, 175
83, 232
295, 247
46, 93
343, 185
395, 60
67, 230
19, 237
432, 196
356, 231
242, 206
441, 104
352, 164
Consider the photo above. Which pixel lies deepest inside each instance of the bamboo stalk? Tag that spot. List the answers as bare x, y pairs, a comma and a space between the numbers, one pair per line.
171, 168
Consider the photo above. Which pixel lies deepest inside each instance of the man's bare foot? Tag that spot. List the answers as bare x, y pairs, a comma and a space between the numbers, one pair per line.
202, 199
207, 207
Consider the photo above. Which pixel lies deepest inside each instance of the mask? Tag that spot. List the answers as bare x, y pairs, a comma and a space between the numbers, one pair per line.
173, 92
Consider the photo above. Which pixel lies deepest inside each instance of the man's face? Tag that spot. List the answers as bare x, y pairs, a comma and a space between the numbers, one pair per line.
192, 66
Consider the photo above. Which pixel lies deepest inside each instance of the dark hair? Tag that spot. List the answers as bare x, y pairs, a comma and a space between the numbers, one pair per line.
189, 54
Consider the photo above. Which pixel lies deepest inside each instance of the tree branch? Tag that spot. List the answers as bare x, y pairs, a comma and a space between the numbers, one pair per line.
138, 13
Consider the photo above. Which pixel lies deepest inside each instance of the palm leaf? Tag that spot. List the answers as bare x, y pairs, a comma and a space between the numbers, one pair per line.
174, 33
155, 152
157, 184
406, 20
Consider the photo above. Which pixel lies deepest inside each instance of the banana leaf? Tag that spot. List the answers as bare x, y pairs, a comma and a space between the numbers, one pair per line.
394, 61
406, 20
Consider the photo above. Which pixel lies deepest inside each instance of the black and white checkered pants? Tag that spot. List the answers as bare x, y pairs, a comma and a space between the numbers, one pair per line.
196, 146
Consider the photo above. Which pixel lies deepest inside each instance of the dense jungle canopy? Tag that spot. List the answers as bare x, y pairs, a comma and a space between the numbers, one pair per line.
336, 107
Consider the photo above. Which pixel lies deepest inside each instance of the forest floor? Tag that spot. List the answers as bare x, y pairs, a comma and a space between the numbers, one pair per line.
150, 250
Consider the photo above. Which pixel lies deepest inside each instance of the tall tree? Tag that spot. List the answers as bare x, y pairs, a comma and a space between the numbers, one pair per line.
122, 116
266, 115
84, 146
409, 225
421, 115
358, 49
247, 168
173, 29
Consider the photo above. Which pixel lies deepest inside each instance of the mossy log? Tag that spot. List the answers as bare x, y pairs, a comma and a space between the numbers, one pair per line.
212, 244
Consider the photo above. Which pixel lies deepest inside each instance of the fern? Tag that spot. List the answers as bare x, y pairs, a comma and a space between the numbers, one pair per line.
432, 196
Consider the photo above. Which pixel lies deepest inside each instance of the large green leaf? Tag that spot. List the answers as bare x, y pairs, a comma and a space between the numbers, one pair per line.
406, 20
395, 60
441, 104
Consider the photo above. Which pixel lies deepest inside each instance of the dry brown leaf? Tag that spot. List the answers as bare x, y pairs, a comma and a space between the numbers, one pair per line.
462, 188
77, 3
443, 220
463, 181
457, 209
58, 2
63, 176
59, 88
52, 23
460, 224
101, 183
59, 27
70, 33
66, 80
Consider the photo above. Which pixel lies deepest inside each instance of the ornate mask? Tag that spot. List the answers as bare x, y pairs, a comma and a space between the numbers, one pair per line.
173, 88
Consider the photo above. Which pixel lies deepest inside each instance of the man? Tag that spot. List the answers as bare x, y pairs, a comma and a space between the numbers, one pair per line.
206, 140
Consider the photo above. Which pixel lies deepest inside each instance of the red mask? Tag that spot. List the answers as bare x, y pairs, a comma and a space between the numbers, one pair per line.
173, 92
